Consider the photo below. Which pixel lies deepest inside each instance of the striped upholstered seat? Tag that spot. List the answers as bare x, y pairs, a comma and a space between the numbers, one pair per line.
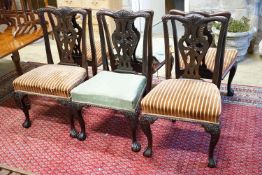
229, 59
195, 100
53, 80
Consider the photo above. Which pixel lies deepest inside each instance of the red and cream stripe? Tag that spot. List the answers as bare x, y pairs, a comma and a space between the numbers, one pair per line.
98, 53
184, 98
56, 80
230, 56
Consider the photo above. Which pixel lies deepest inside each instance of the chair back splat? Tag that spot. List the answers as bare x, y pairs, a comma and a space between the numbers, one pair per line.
124, 39
195, 42
70, 35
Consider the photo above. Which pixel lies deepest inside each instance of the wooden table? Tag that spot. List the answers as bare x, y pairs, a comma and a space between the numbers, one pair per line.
11, 45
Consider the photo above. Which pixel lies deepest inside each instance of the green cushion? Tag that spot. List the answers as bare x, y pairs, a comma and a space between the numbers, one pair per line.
111, 90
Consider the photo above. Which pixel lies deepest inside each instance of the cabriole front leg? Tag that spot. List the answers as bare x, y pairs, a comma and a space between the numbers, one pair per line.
214, 131
23, 103
77, 113
133, 117
145, 123
73, 131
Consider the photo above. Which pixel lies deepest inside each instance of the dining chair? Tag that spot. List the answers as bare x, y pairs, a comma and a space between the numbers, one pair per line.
229, 63
119, 86
57, 80
188, 98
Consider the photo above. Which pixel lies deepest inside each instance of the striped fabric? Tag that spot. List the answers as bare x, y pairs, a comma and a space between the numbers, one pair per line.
185, 99
98, 53
54, 80
229, 58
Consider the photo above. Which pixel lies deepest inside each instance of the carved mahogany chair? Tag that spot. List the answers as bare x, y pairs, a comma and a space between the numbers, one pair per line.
229, 63
188, 98
122, 87
51, 80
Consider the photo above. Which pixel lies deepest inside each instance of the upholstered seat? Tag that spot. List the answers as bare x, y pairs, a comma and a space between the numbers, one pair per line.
55, 80
230, 58
186, 98
111, 90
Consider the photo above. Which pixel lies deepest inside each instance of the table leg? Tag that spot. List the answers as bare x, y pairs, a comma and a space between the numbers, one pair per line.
16, 59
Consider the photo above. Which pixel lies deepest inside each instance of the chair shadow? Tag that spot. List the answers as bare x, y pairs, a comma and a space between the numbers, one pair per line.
61, 114
43, 108
110, 122
182, 139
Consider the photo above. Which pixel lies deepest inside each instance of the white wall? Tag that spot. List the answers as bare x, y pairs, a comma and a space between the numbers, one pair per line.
157, 5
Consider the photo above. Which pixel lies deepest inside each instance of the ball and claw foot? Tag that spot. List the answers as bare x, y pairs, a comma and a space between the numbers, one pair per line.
136, 147
148, 152
211, 163
230, 93
27, 124
73, 133
81, 136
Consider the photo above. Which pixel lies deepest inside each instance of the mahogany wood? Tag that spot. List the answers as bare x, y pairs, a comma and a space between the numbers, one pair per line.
10, 45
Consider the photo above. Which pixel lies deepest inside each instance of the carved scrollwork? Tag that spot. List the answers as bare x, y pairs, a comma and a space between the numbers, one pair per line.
125, 41
193, 46
67, 32
77, 47
214, 131
66, 36
195, 42
148, 119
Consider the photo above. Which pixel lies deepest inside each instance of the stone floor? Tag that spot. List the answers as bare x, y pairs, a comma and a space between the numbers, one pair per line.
248, 71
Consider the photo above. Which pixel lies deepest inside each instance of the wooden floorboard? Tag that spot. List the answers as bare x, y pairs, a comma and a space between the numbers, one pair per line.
6, 170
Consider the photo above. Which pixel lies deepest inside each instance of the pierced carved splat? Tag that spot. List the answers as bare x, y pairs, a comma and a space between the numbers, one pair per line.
193, 46
67, 32
77, 47
125, 41
195, 42
66, 36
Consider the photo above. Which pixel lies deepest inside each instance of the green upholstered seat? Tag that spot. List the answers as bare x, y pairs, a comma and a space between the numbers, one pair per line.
111, 90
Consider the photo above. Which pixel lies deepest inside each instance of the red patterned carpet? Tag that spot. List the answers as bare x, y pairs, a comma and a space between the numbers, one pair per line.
179, 148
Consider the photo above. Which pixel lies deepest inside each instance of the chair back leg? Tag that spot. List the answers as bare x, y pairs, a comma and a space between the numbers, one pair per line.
230, 91
23, 102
